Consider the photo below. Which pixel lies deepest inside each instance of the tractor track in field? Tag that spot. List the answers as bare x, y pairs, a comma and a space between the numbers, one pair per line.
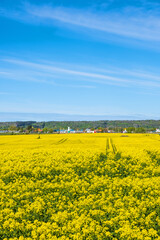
63, 140
110, 146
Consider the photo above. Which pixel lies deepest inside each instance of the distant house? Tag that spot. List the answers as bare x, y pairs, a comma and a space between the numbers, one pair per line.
79, 131
88, 130
98, 131
56, 131
157, 130
125, 131
72, 131
39, 130
63, 131
3, 131
69, 129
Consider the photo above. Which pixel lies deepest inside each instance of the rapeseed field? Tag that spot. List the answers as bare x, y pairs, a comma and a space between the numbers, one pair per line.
80, 186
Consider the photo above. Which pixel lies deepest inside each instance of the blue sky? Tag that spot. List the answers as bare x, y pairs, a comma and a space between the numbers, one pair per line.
80, 57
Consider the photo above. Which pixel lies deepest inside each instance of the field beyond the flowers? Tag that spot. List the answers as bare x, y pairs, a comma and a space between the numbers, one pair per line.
80, 186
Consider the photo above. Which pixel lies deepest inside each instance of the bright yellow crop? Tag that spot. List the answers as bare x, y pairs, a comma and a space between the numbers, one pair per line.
80, 186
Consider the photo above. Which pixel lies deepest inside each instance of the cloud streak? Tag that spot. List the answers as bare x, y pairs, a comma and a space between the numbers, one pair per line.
133, 23
68, 77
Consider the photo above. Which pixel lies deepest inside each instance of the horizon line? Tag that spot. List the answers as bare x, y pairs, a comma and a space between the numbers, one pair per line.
38, 117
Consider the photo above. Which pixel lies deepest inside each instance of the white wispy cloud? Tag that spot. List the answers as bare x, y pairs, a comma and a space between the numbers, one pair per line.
136, 23
53, 69
40, 74
61, 76
131, 23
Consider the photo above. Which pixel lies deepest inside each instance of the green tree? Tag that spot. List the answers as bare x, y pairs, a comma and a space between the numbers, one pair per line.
29, 128
45, 130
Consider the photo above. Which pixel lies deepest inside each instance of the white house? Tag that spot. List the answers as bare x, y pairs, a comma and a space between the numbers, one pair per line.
125, 131
89, 131
69, 129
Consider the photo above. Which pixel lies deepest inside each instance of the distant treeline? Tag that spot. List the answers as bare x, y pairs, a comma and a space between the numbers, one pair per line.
112, 125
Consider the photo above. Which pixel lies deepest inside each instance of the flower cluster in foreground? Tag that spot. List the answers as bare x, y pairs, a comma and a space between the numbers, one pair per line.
80, 187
